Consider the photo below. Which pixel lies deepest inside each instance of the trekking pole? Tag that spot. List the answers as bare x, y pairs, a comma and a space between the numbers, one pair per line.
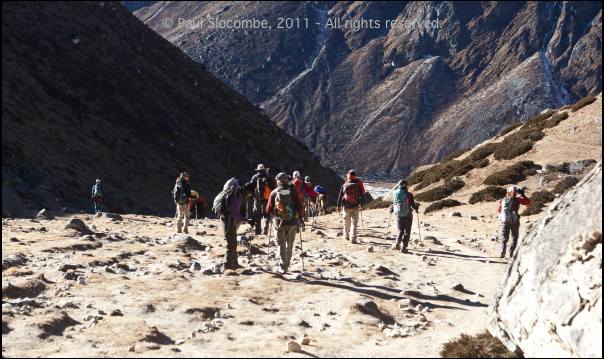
389, 224
362, 219
301, 249
419, 227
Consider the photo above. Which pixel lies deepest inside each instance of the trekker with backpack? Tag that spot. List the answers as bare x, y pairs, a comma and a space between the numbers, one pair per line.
97, 196
263, 186
228, 206
284, 204
509, 218
303, 190
350, 200
197, 204
321, 200
403, 205
181, 194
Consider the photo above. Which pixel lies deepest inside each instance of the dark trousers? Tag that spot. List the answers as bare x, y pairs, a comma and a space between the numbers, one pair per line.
230, 234
506, 230
98, 204
261, 219
404, 230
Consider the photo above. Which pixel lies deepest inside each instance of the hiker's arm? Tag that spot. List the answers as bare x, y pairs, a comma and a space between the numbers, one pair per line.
414, 204
524, 200
270, 203
499, 207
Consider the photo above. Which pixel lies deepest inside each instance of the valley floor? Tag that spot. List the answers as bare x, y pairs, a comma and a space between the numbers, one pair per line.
136, 277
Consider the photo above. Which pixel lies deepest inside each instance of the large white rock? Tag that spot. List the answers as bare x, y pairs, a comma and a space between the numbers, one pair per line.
550, 304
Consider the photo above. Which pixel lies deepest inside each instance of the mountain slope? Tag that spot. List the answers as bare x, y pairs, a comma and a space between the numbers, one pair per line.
422, 91
92, 92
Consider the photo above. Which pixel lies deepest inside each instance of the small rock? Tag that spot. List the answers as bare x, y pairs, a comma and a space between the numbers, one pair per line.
305, 341
474, 218
370, 249
78, 225
45, 214
195, 266
455, 214
293, 347
132, 348
14, 239
81, 280
69, 275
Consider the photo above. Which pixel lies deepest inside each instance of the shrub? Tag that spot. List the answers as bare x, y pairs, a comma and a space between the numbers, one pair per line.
538, 201
440, 192
565, 184
484, 151
509, 129
478, 346
513, 174
582, 103
481, 163
445, 203
489, 194
555, 120
513, 147
455, 154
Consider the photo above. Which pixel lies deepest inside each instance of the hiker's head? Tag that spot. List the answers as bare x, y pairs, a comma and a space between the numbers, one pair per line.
403, 183
511, 192
184, 176
351, 175
98, 180
307, 179
296, 174
260, 168
194, 194
282, 178
231, 185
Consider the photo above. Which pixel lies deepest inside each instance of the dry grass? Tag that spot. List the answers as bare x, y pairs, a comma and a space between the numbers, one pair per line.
582, 103
539, 200
489, 194
478, 346
509, 129
440, 192
565, 184
513, 174
445, 203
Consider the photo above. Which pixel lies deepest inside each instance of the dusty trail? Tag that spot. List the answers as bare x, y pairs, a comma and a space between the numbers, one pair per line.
137, 278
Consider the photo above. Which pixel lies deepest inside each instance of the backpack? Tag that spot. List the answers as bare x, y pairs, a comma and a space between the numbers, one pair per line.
507, 214
220, 204
320, 189
402, 203
180, 195
284, 208
263, 190
351, 194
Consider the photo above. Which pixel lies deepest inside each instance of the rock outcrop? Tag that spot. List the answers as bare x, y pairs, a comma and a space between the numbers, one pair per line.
550, 304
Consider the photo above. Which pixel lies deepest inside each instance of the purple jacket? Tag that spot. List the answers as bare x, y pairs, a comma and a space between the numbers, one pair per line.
235, 208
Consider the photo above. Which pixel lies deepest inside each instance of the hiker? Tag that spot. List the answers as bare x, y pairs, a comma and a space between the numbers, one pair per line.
321, 200
509, 218
284, 204
403, 205
263, 187
97, 196
197, 204
350, 203
310, 198
181, 194
303, 190
228, 206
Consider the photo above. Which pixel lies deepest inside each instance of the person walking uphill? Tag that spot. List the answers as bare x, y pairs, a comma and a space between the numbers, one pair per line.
182, 194
97, 196
509, 218
263, 187
303, 190
287, 212
350, 200
228, 205
403, 205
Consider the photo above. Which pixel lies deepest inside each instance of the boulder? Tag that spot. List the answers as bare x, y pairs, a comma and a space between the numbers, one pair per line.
550, 303
45, 214
455, 214
78, 225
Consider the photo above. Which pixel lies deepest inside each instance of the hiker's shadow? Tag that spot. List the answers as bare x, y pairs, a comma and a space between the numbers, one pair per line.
460, 256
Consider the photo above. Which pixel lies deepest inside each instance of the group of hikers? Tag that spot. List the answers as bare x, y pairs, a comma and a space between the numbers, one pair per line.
285, 203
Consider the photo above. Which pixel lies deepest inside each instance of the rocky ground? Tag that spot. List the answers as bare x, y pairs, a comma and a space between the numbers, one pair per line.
126, 286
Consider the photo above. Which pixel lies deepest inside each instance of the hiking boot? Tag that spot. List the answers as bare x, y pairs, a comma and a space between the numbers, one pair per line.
186, 231
396, 247
502, 255
354, 241
347, 239
404, 250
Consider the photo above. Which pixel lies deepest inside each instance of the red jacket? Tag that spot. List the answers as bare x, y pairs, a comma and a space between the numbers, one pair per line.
302, 187
200, 201
525, 201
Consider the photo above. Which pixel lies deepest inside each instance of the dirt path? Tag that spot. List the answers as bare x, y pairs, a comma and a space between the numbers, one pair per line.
135, 268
